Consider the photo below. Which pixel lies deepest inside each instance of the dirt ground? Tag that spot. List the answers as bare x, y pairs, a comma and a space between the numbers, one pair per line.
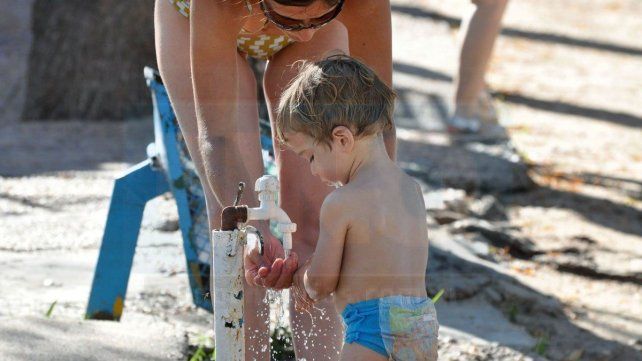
573, 113
567, 79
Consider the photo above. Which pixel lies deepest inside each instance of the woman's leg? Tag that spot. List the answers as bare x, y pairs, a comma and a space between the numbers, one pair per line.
318, 335
172, 49
480, 30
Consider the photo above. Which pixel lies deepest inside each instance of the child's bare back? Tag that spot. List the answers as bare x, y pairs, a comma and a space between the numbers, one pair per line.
386, 245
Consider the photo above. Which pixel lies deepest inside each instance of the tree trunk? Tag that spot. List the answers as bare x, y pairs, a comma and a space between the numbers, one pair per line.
87, 59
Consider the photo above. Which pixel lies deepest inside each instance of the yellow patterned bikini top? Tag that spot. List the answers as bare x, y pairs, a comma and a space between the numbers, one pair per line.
261, 46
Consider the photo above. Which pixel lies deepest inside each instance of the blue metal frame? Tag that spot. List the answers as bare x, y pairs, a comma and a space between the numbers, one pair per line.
187, 191
131, 192
168, 167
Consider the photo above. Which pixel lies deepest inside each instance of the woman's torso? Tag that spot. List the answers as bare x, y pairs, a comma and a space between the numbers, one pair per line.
257, 39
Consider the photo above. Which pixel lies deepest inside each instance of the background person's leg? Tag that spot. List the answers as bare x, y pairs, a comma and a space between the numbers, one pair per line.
479, 29
172, 49
318, 337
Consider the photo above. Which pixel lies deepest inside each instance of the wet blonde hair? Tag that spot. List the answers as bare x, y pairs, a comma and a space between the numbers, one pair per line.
338, 90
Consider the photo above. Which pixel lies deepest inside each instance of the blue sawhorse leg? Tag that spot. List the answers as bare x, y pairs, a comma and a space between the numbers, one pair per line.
131, 192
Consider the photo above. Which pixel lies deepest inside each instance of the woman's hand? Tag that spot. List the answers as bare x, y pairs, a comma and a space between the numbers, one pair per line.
270, 269
302, 301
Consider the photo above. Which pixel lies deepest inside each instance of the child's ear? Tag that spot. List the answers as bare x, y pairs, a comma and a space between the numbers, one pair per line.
343, 138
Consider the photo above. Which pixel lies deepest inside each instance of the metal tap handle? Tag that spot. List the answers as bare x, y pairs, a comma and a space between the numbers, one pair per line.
239, 192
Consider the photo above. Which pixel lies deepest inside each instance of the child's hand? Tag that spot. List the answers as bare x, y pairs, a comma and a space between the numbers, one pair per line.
302, 301
269, 270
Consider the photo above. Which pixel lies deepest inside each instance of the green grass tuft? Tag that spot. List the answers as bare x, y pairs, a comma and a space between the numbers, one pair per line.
51, 308
512, 313
438, 296
199, 355
542, 345
204, 351
281, 347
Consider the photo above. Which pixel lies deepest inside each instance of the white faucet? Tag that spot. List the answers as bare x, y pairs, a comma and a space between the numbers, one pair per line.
268, 189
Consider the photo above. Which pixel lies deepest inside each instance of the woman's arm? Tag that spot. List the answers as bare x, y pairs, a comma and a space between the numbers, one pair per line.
370, 35
214, 26
322, 276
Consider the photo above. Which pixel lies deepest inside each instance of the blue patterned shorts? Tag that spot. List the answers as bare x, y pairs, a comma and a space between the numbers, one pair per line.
397, 327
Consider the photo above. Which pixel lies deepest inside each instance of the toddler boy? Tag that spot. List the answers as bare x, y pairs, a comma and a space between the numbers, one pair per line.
372, 250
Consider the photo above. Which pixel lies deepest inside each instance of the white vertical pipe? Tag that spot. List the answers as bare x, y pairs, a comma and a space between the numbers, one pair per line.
227, 280
227, 293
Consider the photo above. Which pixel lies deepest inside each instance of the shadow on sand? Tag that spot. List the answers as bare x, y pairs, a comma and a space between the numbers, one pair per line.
554, 106
543, 317
540, 36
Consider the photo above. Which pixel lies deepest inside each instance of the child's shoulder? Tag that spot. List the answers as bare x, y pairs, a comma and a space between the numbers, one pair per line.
338, 199
411, 182
347, 195
345, 200
337, 207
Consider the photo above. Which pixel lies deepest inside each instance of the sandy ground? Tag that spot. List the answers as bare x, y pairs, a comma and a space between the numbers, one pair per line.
568, 84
